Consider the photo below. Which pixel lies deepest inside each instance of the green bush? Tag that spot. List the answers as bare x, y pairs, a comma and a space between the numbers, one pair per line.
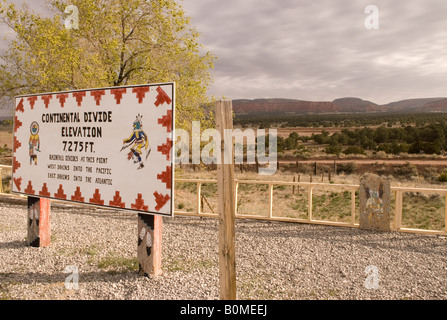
334, 149
354, 150
442, 177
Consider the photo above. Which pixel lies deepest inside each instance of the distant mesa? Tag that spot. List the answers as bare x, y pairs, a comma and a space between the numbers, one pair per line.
278, 106
412, 104
356, 105
282, 106
439, 105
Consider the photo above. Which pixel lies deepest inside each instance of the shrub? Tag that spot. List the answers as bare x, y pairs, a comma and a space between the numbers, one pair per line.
334, 149
354, 150
407, 171
442, 177
348, 168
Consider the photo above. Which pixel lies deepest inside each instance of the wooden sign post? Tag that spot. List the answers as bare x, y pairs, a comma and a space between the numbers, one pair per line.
39, 231
225, 187
149, 245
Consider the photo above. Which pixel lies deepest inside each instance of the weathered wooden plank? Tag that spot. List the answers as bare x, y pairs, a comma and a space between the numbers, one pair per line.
226, 201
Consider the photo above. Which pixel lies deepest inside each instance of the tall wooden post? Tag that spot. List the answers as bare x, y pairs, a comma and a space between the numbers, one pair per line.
39, 230
226, 192
149, 245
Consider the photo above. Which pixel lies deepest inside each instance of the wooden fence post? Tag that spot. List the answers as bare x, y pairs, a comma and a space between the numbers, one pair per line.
199, 200
353, 207
270, 201
309, 204
398, 210
445, 212
39, 230
236, 187
293, 187
149, 245
226, 201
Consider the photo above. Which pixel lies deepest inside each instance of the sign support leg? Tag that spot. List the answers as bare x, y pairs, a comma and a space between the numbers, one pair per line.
149, 245
226, 192
39, 230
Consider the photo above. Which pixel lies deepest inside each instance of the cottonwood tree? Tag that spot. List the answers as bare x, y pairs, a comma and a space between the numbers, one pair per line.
116, 42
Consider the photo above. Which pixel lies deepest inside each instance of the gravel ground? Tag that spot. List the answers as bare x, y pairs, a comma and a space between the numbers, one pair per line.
275, 261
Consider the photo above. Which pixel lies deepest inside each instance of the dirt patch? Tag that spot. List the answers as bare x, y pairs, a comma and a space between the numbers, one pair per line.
6, 138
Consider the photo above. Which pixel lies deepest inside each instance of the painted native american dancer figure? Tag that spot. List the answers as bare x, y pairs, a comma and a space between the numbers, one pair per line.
34, 143
137, 141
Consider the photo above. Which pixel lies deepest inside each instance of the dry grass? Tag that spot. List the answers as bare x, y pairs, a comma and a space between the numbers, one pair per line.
331, 203
423, 211
6, 138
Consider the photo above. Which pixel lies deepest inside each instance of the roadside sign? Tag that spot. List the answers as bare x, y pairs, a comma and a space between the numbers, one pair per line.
109, 147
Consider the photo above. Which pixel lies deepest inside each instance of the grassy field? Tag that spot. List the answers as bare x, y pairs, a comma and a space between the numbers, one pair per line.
6, 138
331, 203
5, 145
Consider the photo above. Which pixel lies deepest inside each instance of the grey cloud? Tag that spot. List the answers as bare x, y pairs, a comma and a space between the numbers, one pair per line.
299, 42
321, 50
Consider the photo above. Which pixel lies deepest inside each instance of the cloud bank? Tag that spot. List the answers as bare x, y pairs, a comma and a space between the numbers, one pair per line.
320, 50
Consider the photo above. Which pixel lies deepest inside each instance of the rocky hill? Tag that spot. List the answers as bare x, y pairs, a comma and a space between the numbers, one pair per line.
410, 104
282, 106
434, 106
356, 105
342, 105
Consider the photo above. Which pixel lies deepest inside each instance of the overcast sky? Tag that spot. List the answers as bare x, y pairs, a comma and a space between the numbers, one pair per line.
321, 50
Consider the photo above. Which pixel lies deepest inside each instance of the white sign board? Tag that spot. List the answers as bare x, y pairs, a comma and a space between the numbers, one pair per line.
107, 147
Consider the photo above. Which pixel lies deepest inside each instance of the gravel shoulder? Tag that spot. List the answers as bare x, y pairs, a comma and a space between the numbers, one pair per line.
274, 261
